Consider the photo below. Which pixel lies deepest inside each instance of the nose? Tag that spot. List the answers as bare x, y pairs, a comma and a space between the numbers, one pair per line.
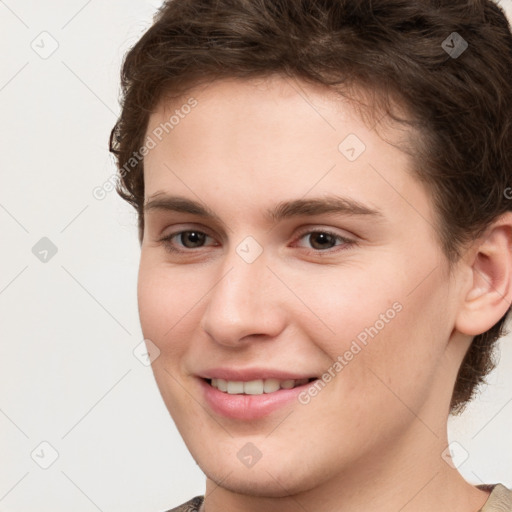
245, 301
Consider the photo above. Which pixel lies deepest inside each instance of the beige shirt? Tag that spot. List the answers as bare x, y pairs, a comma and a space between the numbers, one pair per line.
500, 500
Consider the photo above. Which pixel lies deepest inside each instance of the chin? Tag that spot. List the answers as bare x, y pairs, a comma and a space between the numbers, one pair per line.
259, 484
273, 478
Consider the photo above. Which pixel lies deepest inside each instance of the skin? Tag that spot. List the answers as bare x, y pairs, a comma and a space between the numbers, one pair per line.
373, 438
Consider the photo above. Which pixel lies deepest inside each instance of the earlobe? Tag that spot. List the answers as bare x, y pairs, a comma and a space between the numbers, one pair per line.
490, 294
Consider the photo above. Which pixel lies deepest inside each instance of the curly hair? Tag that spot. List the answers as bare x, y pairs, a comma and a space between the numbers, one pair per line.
446, 63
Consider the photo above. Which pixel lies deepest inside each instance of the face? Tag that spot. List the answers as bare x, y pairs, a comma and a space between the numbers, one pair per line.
285, 240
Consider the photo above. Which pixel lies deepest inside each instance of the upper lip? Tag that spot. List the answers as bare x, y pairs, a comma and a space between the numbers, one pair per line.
248, 374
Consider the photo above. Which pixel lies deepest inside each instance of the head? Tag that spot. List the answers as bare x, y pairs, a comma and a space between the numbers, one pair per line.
242, 106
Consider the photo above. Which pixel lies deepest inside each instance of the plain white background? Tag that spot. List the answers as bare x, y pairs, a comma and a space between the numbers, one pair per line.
69, 378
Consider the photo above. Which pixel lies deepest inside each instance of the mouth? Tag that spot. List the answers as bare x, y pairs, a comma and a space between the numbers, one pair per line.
252, 393
257, 386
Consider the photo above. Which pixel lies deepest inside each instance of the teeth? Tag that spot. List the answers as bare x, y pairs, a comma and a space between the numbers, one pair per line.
235, 387
287, 384
271, 385
255, 387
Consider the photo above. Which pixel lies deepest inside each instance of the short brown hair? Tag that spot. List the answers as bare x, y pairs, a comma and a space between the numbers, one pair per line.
461, 103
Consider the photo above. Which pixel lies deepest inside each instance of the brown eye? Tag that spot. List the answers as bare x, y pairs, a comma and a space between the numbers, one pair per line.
186, 241
192, 239
320, 240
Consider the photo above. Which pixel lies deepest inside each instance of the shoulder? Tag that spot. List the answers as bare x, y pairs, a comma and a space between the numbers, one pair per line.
190, 506
500, 499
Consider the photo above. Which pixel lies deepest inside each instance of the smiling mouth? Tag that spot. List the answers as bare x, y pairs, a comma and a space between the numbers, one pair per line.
256, 387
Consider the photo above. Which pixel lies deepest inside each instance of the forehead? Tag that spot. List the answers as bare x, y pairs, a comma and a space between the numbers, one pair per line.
261, 97
268, 138
264, 100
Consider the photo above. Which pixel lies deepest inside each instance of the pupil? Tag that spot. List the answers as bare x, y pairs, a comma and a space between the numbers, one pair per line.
193, 237
324, 238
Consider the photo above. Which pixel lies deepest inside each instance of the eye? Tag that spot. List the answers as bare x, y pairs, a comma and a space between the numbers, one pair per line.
322, 240
189, 239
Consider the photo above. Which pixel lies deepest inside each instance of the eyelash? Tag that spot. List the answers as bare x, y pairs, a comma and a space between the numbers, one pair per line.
346, 243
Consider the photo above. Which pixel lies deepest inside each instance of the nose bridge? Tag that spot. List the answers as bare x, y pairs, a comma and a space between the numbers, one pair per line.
242, 301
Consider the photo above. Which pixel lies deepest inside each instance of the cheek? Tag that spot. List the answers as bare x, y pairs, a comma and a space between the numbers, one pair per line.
166, 304
341, 305
166, 311
402, 357
375, 321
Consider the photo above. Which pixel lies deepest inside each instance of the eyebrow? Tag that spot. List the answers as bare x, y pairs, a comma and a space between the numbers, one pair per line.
331, 204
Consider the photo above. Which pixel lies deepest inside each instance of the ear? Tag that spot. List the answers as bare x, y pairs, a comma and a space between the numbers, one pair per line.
488, 295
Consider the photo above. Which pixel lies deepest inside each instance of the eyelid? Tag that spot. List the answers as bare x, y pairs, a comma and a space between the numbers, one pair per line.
321, 229
184, 227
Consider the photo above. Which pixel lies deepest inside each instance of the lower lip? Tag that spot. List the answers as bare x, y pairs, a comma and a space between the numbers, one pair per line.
249, 407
